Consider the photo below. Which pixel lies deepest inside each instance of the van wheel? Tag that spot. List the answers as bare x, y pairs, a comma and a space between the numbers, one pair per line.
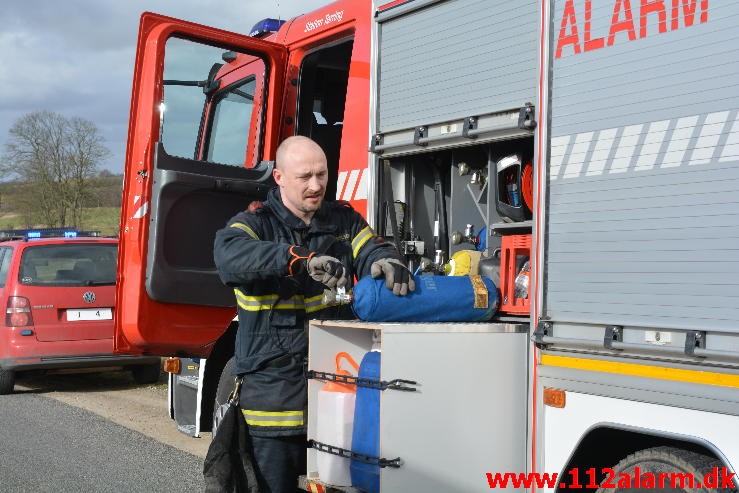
225, 387
146, 374
7, 381
667, 462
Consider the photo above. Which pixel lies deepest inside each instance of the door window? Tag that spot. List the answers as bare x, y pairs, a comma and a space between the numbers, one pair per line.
200, 80
324, 74
186, 67
5, 256
230, 123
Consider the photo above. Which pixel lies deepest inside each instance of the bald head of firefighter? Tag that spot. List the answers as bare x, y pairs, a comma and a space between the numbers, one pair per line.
301, 173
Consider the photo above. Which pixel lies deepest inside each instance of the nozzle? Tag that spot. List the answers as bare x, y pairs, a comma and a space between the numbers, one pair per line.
339, 296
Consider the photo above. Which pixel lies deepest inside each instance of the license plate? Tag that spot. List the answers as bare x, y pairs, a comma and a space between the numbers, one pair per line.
78, 314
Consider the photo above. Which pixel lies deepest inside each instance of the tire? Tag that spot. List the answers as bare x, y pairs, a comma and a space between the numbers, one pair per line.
667, 460
225, 387
7, 381
226, 382
146, 374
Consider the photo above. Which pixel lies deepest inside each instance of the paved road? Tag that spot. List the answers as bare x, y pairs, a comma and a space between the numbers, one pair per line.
114, 396
49, 446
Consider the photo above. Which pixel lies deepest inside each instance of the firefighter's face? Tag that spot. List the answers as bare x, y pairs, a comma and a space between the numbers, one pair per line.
301, 174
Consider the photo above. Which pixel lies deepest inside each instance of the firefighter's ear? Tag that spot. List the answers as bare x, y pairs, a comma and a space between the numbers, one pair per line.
277, 175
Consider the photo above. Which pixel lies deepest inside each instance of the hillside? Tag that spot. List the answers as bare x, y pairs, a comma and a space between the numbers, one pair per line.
102, 211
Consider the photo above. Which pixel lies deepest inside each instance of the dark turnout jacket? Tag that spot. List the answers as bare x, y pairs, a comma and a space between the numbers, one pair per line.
252, 255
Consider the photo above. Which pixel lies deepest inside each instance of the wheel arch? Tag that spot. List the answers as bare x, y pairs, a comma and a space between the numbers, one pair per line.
605, 444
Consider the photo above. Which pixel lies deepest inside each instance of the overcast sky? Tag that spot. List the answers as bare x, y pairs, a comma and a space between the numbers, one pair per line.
75, 57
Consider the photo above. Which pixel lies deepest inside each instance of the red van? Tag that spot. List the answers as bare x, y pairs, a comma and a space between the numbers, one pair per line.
59, 297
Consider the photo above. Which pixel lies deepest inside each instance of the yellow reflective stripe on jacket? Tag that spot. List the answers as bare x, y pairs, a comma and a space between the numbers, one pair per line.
314, 303
265, 302
361, 238
274, 418
257, 303
246, 229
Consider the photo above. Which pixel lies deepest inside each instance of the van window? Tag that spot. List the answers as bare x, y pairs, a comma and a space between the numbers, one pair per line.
6, 254
69, 265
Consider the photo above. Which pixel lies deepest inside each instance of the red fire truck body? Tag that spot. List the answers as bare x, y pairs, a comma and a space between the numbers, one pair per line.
589, 146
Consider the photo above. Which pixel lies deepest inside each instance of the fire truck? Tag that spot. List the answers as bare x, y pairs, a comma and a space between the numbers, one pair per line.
587, 147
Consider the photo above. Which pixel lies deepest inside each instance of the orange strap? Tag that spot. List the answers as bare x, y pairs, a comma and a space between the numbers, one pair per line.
297, 257
480, 291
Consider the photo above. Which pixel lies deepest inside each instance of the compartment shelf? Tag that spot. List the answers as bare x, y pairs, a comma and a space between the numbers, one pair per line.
461, 370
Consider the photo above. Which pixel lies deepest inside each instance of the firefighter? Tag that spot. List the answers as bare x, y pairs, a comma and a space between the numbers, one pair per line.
279, 256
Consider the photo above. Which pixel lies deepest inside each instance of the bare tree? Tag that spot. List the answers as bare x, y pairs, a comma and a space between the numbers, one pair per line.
57, 156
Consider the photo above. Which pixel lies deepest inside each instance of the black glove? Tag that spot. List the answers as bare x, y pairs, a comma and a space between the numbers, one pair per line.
323, 268
397, 276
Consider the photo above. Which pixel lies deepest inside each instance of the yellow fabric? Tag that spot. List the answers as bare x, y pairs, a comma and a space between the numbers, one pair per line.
361, 239
257, 303
265, 302
273, 418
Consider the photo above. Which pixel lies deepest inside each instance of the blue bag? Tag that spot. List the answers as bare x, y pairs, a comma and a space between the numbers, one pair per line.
366, 431
435, 299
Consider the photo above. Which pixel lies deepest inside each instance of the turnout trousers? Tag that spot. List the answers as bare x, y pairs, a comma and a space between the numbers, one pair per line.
279, 460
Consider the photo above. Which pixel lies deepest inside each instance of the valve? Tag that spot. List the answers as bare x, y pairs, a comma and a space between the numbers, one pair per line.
337, 296
439, 261
468, 236
478, 178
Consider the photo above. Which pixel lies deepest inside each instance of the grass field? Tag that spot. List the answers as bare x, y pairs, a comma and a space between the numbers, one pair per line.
104, 219
102, 213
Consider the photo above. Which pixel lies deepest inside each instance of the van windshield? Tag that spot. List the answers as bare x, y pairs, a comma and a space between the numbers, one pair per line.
69, 265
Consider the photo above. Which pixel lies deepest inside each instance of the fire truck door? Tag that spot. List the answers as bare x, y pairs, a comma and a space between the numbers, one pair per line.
202, 127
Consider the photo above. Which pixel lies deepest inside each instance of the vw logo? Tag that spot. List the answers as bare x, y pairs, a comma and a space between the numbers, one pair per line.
89, 297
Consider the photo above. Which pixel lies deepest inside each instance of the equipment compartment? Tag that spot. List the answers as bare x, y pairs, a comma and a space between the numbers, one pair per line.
461, 371
448, 210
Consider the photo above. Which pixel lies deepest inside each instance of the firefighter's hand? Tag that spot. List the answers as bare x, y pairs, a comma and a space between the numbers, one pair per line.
323, 268
397, 276
328, 270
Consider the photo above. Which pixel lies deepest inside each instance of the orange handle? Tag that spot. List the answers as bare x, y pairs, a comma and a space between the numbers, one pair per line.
349, 359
